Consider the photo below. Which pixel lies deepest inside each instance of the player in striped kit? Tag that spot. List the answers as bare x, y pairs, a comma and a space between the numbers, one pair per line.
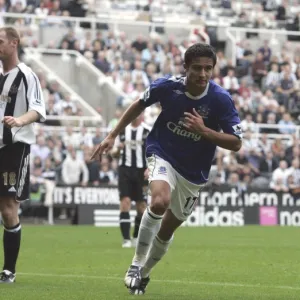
21, 104
130, 146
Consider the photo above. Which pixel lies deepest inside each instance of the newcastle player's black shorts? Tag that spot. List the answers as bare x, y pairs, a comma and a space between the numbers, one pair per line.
14, 171
131, 183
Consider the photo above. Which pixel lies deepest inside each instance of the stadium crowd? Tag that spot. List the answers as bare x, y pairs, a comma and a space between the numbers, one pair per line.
265, 87
264, 84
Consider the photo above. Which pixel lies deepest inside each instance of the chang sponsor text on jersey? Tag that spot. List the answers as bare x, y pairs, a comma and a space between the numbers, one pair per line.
186, 151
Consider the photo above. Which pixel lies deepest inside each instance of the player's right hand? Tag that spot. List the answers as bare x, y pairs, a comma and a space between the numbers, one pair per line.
105, 146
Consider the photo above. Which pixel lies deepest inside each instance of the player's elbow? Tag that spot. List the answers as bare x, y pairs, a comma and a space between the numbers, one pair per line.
237, 146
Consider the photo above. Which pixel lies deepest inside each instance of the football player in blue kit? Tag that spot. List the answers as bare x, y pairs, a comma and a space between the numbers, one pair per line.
180, 149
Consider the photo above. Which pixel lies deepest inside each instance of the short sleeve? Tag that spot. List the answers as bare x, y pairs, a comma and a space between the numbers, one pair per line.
35, 96
154, 93
228, 116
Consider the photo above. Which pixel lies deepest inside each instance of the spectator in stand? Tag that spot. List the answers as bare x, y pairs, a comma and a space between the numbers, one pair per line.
139, 74
230, 82
286, 91
244, 88
40, 149
48, 171
287, 126
258, 69
99, 39
93, 169
267, 163
222, 63
277, 147
248, 124
273, 78
294, 171
282, 10
279, 178
87, 40
69, 39
217, 78
266, 51
54, 89
85, 138
286, 69
139, 44
292, 153
70, 138
58, 151
74, 170
278, 185
113, 122
101, 62
106, 175
271, 120
269, 100
234, 181
294, 188
77, 8
245, 60
37, 163
264, 144
147, 53
98, 137
55, 10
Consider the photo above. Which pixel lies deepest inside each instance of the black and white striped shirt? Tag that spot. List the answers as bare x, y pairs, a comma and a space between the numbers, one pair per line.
20, 91
134, 152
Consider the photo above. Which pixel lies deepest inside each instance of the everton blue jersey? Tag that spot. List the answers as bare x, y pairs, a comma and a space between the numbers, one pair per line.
189, 154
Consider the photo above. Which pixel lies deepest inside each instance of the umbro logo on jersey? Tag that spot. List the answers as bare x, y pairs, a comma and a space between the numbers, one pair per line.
178, 92
12, 189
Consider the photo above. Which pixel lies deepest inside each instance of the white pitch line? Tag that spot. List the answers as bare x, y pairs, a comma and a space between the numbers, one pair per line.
226, 284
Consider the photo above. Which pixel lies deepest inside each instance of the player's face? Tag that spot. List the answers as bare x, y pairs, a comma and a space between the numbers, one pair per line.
199, 71
7, 46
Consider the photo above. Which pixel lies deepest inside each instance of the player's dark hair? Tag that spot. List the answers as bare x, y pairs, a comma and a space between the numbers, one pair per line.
200, 50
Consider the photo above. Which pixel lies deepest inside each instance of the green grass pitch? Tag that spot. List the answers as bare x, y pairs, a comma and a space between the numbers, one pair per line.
87, 263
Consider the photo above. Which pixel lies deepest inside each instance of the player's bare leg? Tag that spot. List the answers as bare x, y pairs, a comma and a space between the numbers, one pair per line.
150, 224
125, 206
140, 208
9, 208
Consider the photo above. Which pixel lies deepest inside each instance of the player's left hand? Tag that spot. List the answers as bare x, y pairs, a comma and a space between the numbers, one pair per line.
194, 122
11, 122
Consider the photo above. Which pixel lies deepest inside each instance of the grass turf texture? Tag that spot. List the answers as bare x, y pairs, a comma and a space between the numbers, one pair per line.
80, 263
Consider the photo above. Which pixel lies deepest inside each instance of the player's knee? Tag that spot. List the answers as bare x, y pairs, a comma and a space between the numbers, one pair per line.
9, 216
159, 204
140, 207
125, 204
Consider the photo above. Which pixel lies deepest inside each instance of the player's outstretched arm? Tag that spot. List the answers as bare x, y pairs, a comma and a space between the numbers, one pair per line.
133, 111
28, 118
194, 123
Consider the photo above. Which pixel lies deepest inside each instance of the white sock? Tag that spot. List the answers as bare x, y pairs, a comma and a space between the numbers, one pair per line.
149, 227
158, 249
